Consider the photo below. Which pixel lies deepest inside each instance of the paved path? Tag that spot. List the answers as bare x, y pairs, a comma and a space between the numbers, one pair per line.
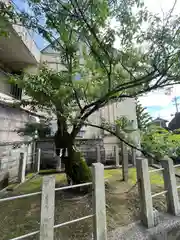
167, 229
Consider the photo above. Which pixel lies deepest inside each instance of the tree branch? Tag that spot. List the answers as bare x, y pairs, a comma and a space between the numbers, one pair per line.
121, 139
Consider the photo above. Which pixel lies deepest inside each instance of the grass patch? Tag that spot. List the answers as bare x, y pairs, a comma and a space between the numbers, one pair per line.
61, 178
155, 178
34, 185
30, 175
109, 173
47, 171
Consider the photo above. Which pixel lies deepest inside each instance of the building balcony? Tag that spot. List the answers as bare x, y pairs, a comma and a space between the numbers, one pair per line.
18, 50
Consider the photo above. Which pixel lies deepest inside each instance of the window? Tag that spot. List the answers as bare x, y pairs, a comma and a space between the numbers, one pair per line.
81, 134
16, 92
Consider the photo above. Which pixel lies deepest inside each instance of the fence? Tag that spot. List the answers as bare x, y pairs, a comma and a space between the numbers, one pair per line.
144, 185
112, 156
92, 149
17, 162
9, 160
24, 157
47, 226
36, 159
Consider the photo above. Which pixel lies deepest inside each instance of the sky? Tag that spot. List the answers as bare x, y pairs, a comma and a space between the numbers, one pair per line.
157, 103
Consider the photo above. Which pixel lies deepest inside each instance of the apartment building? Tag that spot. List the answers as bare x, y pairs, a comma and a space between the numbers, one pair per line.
18, 52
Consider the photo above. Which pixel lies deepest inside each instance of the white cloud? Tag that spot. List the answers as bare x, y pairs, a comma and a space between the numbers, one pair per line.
159, 98
160, 6
164, 102
155, 99
165, 113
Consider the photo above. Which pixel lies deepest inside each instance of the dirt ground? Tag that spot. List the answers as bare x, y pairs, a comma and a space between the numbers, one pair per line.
22, 216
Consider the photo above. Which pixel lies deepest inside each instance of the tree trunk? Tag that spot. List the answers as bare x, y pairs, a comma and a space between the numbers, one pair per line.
76, 168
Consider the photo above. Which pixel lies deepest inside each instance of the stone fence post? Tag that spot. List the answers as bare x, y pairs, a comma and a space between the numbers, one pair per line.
34, 155
99, 202
98, 153
124, 161
117, 156
47, 208
22, 167
173, 205
133, 152
145, 196
38, 160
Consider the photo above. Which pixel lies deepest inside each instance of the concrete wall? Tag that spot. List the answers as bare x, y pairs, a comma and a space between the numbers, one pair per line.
11, 143
53, 61
111, 113
11, 120
4, 85
27, 38
9, 160
88, 148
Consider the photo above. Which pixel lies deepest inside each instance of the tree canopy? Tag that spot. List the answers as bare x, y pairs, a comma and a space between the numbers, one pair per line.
143, 117
146, 57
160, 142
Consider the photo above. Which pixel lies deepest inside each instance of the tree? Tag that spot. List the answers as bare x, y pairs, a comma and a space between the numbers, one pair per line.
143, 117
146, 59
6, 13
160, 142
42, 129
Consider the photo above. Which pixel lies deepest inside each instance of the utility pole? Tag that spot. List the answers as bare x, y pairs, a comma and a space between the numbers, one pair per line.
168, 92
176, 104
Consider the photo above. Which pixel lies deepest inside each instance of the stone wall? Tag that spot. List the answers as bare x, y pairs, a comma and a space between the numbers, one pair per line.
88, 148
11, 120
47, 147
11, 143
9, 160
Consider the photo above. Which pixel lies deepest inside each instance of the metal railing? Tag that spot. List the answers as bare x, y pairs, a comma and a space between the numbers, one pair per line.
48, 206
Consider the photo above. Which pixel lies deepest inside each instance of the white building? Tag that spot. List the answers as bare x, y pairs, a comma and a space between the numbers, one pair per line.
17, 52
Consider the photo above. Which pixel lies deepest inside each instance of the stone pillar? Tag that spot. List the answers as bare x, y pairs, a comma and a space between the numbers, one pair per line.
98, 154
22, 167
47, 208
124, 161
99, 202
173, 205
133, 152
117, 155
145, 196
38, 160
